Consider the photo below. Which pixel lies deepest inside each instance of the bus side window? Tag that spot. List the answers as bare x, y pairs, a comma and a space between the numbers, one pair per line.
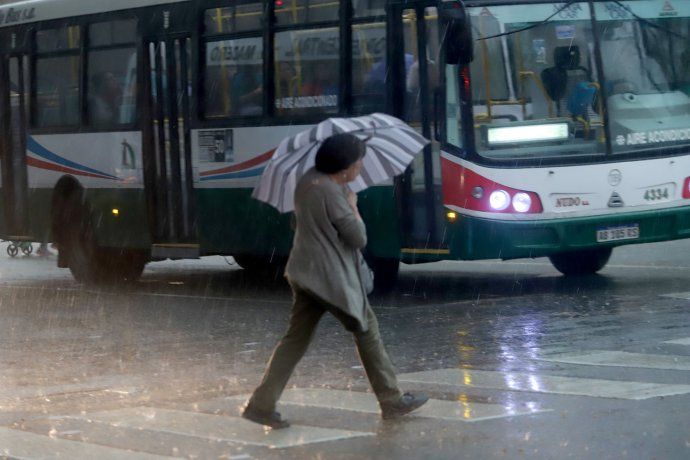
413, 69
233, 84
237, 18
233, 73
112, 68
57, 77
369, 68
289, 12
369, 8
307, 76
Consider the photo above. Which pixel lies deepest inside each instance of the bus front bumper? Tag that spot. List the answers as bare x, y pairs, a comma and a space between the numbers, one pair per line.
472, 238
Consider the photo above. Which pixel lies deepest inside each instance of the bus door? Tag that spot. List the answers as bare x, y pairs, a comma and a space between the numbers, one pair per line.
14, 109
168, 159
418, 77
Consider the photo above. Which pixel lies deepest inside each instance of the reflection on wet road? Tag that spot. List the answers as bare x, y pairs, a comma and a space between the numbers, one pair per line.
518, 360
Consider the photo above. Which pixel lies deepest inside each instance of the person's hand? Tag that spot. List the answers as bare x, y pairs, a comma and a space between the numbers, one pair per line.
352, 201
352, 198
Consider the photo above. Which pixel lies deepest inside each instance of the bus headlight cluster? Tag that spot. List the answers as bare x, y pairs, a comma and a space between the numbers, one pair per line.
522, 202
500, 200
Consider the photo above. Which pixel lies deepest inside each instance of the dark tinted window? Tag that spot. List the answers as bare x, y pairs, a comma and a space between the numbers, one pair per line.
368, 8
307, 71
369, 69
113, 33
112, 73
60, 39
305, 11
112, 86
57, 91
238, 18
234, 77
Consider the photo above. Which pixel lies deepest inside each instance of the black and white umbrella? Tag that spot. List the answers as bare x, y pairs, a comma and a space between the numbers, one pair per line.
391, 146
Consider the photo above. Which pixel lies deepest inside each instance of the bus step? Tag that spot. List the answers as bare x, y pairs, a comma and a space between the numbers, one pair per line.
175, 251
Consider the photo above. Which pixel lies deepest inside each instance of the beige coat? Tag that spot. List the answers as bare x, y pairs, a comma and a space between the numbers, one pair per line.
325, 250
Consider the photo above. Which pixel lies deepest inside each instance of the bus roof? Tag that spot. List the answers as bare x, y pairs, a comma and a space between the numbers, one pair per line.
42, 10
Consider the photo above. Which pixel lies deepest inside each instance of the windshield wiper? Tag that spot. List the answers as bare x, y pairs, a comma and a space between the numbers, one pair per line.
570, 2
536, 24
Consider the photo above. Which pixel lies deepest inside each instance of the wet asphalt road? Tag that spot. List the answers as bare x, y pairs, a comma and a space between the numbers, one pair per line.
504, 348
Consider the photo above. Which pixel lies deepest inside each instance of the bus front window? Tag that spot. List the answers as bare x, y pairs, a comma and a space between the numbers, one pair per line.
534, 82
647, 72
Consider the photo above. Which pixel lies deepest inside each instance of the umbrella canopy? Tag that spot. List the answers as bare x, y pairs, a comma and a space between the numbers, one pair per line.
390, 147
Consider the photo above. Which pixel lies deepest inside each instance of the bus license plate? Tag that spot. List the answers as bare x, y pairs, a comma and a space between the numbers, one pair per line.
621, 232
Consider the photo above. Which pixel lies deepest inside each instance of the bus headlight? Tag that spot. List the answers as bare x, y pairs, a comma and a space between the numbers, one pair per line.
522, 202
499, 200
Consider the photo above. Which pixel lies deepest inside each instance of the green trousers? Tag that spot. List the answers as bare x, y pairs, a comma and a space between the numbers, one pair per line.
307, 310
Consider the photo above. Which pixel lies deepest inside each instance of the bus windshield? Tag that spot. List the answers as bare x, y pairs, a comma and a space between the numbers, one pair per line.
645, 47
537, 91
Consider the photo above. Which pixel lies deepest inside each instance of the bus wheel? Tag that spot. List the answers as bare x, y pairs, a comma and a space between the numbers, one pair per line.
91, 264
385, 272
262, 264
585, 262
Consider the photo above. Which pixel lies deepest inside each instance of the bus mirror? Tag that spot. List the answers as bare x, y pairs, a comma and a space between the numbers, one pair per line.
457, 39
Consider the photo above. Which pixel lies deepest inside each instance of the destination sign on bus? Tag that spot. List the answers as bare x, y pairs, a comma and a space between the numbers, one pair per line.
246, 51
15, 15
653, 137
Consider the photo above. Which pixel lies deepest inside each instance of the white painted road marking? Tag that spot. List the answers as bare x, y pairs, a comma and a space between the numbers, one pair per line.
622, 359
685, 341
677, 295
25, 445
539, 383
461, 410
217, 427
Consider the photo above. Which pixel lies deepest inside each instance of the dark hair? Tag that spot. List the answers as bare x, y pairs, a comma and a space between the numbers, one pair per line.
338, 153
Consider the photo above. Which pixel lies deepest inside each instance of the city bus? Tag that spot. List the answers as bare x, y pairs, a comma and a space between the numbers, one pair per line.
136, 130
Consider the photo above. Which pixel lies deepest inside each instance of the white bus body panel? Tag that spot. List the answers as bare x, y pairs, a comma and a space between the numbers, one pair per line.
29, 11
585, 190
97, 160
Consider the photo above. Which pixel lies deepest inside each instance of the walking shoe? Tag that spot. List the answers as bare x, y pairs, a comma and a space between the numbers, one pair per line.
406, 404
271, 419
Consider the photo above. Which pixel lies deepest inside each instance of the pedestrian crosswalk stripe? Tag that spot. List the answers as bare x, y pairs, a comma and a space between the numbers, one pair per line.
461, 410
217, 427
685, 341
539, 383
622, 359
22, 444
678, 295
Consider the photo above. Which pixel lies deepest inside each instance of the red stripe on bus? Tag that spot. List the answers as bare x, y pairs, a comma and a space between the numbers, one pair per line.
459, 181
36, 163
245, 165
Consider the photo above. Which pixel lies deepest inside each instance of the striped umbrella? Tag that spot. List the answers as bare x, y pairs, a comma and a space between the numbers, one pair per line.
390, 143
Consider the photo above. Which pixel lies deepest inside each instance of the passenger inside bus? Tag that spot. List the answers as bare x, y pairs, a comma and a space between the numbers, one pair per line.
322, 80
568, 83
106, 98
246, 91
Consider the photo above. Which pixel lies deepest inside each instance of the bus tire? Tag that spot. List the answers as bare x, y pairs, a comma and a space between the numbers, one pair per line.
386, 270
584, 262
91, 264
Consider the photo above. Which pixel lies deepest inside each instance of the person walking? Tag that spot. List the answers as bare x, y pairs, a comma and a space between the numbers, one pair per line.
323, 273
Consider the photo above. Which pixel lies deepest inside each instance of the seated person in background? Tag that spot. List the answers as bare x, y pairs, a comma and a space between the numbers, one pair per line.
565, 77
323, 81
106, 98
246, 92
